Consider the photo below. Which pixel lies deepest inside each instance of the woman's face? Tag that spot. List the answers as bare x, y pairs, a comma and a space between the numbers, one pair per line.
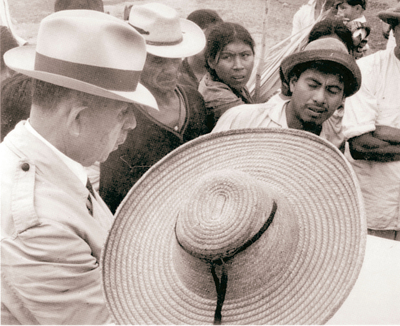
234, 64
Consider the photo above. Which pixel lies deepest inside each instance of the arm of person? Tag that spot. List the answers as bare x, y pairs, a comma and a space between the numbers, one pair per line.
374, 147
388, 134
52, 277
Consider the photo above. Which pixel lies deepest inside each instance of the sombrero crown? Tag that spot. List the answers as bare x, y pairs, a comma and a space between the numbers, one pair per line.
89, 51
262, 226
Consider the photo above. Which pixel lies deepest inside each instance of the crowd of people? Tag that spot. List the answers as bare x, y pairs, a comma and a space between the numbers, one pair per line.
102, 113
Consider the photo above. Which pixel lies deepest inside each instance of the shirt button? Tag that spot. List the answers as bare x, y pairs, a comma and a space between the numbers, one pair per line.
25, 167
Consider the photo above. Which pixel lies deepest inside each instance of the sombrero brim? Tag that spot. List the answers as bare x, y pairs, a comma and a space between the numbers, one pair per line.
193, 41
140, 283
22, 60
341, 58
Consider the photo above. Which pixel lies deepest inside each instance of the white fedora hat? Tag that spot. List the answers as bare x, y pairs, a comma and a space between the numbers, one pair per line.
166, 34
89, 51
262, 226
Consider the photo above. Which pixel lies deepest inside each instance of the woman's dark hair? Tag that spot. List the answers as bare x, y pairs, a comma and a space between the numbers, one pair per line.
335, 27
220, 36
325, 67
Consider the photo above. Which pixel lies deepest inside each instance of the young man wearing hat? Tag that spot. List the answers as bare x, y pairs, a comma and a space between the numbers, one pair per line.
372, 126
182, 115
319, 79
53, 224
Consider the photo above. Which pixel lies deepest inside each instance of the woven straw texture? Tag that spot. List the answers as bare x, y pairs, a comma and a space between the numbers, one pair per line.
141, 282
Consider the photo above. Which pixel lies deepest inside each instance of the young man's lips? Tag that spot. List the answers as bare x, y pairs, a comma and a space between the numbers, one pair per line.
317, 109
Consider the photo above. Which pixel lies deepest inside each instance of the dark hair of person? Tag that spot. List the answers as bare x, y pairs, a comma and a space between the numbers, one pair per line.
8, 42
16, 100
204, 18
78, 4
335, 27
362, 3
325, 67
220, 36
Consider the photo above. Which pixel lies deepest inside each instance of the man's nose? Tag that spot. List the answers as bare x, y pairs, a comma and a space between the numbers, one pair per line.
319, 96
130, 122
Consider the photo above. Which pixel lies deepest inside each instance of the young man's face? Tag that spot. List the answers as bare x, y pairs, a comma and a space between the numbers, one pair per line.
347, 12
315, 97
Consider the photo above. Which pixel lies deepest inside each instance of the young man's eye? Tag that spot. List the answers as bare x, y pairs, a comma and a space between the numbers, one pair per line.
312, 85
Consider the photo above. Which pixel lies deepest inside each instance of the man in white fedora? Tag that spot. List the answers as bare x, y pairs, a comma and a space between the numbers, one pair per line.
85, 69
182, 115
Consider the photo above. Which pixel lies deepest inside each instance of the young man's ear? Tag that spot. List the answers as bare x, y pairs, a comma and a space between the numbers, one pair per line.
292, 83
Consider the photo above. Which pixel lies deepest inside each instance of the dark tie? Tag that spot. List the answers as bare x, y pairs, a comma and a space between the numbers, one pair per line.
89, 203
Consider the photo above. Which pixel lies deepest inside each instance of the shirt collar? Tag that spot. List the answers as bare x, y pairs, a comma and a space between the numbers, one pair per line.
74, 166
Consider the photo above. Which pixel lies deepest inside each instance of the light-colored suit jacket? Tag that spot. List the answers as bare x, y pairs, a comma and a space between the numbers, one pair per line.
50, 244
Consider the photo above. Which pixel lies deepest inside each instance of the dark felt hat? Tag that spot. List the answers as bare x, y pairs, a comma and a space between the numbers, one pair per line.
325, 49
391, 16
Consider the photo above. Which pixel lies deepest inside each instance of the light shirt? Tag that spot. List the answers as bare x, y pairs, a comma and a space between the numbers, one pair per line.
74, 166
272, 114
304, 17
391, 43
377, 103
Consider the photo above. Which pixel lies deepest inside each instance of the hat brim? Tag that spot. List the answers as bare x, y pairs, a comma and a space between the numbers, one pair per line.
22, 60
390, 17
140, 283
193, 41
354, 73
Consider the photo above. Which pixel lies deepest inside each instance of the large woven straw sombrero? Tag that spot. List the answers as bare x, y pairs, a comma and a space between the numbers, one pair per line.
270, 219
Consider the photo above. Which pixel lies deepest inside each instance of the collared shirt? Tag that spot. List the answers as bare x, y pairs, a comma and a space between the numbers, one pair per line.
377, 103
272, 114
75, 167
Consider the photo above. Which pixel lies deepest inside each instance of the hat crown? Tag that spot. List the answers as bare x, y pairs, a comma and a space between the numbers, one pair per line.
80, 35
223, 212
158, 23
327, 43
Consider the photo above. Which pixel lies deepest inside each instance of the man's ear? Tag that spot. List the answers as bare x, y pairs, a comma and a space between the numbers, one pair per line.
211, 63
74, 120
292, 83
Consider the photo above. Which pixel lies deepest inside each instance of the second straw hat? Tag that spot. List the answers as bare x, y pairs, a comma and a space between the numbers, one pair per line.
262, 226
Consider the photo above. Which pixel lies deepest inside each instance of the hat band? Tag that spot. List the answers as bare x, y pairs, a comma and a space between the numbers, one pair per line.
107, 78
222, 284
143, 32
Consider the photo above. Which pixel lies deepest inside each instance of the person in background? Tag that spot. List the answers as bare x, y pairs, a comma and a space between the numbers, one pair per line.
193, 68
371, 124
229, 56
7, 42
182, 115
320, 77
308, 14
16, 101
352, 13
78, 4
53, 225
387, 33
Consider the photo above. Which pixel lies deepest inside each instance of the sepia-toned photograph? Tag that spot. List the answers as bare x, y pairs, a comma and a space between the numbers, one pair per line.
187, 162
